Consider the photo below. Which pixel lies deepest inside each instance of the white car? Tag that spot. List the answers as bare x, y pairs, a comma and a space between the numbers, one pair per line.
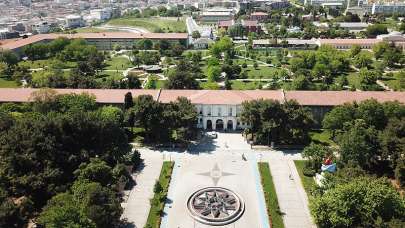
212, 134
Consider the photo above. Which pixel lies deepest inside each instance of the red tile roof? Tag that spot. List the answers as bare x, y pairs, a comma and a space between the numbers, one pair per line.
259, 14
349, 41
107, 96
104, 35
333, 98
232, 97
250, 23
225, 23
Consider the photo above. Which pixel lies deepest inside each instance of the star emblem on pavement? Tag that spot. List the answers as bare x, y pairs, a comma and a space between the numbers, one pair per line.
216, 174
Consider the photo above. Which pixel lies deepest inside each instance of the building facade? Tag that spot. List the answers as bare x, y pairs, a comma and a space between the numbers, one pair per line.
221, 109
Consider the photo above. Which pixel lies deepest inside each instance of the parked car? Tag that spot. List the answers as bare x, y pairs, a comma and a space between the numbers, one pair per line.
212, 135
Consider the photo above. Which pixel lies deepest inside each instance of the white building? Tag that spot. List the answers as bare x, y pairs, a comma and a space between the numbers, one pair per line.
73, 21
101, 14
388, 8
219, 109
41, 27
320, 2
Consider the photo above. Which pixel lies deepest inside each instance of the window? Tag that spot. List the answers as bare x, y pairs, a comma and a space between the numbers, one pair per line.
230, 111
209, 111
219, 111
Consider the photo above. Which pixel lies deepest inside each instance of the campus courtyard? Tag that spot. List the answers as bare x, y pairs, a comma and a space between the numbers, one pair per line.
228, 167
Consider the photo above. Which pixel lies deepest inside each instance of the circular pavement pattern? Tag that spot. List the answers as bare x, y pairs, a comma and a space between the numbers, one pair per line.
215, 206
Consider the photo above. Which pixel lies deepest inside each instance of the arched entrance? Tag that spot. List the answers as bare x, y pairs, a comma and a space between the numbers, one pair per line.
229, 125
209, 125
219, 125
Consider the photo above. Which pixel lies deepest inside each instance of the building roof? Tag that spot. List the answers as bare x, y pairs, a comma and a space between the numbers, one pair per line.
251, 23
349, 41
107, 96
226, 23
104, 35
217, 97
333, 98
259, 14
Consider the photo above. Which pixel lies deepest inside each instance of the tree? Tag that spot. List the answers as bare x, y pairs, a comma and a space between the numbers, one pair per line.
98, 203
128, 101
182, 77
359, 144
196, 34
355, 50
376, 29
368, 79
112, 114
95, 171
363, 60
337, 117
316, 154
63, 211
144, 44
148, 115
213, 73
358, 203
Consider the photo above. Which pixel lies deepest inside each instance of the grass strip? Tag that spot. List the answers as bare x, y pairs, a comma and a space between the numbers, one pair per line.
158, 201
306, 181
270, 195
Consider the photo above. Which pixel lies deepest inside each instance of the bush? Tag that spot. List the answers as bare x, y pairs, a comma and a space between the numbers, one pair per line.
309, 171
244, 65
400, 172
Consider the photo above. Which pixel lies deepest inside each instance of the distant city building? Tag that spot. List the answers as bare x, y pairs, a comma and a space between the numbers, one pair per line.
202, 43
259, 16
214, 15
251, 26
101, 14
388, 8
41, 27
73, 21
102, 41
5, 34
277, 4
18, 27
320, 2
248, 25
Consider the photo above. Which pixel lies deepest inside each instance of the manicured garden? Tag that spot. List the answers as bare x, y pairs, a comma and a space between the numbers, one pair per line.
152, 24
306, 181
118, 63
270, 195
5, 83
158, 202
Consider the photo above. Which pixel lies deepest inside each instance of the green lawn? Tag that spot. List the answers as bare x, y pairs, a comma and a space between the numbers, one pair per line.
209, 85
240, 85
5, 83
158, 201
94, 30
261, 71
43, 63
273, 209
394, 83
152, 24
306, 181
118, 63
354, 80
321, 137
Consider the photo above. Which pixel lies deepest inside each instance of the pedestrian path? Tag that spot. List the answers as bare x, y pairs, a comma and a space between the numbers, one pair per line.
292, 198
136, 208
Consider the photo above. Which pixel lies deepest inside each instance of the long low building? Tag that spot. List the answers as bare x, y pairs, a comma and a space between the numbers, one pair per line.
221, 109
103, 41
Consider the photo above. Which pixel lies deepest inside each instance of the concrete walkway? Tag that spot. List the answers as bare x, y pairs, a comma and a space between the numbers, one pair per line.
136, 208
291, 195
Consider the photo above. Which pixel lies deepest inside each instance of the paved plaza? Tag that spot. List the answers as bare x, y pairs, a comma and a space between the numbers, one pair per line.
219, 163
